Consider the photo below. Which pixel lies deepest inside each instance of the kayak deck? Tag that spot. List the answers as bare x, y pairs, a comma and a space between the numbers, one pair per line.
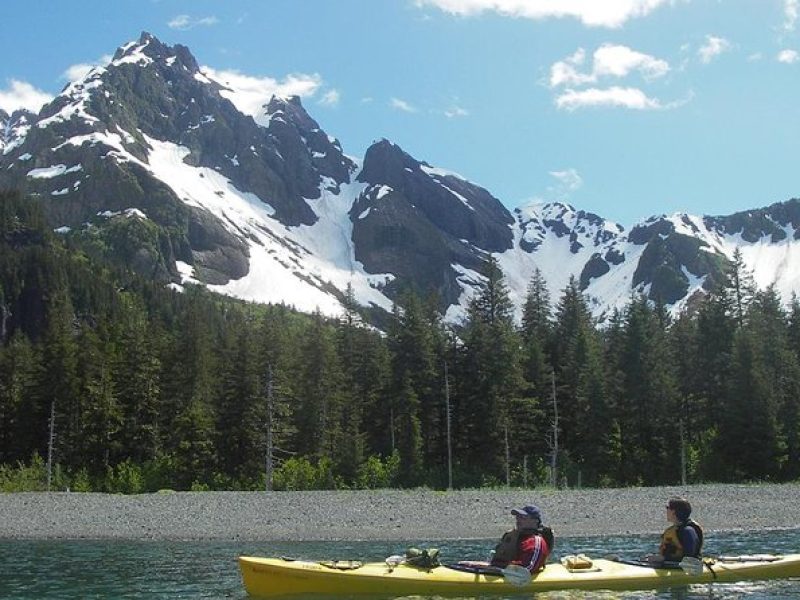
265, 577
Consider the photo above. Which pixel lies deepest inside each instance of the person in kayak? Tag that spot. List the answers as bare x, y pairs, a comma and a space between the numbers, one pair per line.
528, 544
684, 537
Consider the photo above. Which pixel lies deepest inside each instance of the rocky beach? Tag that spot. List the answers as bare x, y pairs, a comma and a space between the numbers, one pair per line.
385, 514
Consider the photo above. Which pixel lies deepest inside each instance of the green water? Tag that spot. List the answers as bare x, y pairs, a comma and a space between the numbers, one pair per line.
67, 570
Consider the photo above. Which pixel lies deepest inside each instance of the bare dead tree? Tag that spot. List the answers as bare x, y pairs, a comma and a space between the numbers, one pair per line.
552, 441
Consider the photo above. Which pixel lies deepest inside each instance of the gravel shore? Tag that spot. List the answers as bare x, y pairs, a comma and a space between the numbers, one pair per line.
384, 515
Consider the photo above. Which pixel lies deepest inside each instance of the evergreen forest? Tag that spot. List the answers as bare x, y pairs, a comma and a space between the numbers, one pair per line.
123, 384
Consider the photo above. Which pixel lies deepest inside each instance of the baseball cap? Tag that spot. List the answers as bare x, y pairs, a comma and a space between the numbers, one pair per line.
528, 511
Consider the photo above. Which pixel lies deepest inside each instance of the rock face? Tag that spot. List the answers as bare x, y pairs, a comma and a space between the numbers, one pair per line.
156, 160
416, 221
14, 128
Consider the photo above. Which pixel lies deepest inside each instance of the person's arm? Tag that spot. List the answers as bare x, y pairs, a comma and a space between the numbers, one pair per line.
533, 553
689, 541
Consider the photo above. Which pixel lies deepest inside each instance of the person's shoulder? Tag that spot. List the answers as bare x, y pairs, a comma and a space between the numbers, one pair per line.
688, 533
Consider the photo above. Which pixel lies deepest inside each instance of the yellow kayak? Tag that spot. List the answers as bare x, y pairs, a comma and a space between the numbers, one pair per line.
265, 577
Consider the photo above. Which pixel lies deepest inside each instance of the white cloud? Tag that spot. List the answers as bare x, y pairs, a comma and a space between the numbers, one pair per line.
456, 111
619, 97
568, 181
21, 94
330, 98
564, 72
593, 13
81, 70
249, 94
755, 57
402, 105
713, 47
185, 22
618, 61
790, 12
788, 57
609, 60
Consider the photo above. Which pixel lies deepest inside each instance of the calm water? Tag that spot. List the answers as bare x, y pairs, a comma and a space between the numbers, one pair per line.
152, 570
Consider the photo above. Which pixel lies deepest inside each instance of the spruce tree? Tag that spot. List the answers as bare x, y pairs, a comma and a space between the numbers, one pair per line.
55, 382
596, 441
747, 441
279, 333
98, 446
190, 385
413, 361
241, 404
137, 380
17, 371
791, 409
741, 286
769, 324
649, 409
491, 375
712, 368
366, 370
409, 433
569, 360
536, 332
319, 413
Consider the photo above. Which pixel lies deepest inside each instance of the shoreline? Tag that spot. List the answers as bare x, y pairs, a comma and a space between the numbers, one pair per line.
385, 514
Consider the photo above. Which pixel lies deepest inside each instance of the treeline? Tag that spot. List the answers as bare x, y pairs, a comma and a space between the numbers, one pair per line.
152, 388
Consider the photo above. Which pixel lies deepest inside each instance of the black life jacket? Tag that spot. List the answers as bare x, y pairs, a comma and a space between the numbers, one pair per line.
508, 548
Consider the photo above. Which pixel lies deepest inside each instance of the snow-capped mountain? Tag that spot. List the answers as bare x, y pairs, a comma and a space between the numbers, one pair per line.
262, 204
13, 128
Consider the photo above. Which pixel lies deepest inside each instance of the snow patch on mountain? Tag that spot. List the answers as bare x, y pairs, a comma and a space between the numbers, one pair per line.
54, 171
133, 53
613, 290
771, 262
310, 266
296, 263
13, 131
329, 239
76, 98
438, 172
469, 280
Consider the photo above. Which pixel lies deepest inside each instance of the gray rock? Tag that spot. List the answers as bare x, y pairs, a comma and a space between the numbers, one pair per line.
385, 515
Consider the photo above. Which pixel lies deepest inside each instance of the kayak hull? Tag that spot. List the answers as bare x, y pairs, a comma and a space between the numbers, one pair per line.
266, 577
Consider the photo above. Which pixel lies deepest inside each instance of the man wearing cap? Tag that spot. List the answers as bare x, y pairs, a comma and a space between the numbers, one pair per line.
528, 544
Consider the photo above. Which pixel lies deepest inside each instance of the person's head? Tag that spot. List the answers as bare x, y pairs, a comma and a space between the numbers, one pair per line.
680, 507
528, 517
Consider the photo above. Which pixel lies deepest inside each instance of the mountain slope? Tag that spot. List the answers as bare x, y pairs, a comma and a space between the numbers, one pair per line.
160, 165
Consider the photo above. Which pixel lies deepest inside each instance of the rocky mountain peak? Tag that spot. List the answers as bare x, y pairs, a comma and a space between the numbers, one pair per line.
539, 219
387, 163
148, 48
302, 142
224, 184
775, 222
291, 110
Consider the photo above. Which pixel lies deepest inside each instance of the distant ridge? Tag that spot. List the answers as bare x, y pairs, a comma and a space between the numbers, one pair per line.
269, 208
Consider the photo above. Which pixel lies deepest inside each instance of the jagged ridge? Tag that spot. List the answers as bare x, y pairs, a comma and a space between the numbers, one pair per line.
268, 207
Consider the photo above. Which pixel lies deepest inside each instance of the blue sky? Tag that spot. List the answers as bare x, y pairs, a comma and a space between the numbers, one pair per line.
626, 108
